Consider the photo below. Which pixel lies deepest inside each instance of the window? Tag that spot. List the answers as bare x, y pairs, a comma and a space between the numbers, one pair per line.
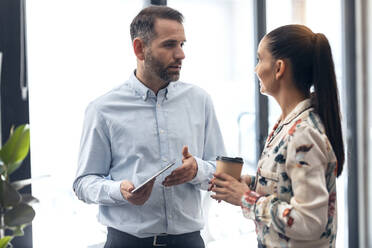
220, 58
77, 50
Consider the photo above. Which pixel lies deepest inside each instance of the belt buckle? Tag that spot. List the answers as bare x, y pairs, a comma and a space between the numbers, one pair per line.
155, 242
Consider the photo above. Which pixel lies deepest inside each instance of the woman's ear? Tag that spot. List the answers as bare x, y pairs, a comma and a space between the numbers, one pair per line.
280, 68
139, 48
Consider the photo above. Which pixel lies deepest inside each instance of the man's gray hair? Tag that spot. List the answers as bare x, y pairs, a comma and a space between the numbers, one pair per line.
143, 24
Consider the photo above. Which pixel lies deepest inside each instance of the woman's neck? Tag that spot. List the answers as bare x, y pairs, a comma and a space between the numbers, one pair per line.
288, 100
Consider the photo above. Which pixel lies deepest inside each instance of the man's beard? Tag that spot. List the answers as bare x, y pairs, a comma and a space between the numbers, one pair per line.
156, 67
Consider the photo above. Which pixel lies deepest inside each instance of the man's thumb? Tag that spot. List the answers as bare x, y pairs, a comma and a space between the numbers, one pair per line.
185, 152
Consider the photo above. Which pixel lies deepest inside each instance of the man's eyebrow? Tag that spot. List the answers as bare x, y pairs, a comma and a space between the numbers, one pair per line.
172, 41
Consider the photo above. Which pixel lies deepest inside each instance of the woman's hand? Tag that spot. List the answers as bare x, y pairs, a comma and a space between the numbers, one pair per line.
228, 188
246, 179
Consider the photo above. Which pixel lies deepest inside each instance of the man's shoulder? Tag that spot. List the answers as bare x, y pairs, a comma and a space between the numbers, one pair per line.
190, 88
110, 97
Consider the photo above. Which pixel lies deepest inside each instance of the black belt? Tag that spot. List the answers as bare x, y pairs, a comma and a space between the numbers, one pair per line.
160, 240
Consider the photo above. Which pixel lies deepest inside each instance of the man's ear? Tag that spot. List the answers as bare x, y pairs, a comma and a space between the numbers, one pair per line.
280, 68
139, 48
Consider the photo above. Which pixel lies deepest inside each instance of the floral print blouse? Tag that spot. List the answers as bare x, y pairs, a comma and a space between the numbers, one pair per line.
293, 195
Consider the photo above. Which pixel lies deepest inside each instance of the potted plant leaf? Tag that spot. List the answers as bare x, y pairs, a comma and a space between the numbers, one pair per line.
16, 211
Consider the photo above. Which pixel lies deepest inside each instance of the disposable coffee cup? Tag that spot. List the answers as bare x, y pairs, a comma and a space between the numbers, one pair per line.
231, 166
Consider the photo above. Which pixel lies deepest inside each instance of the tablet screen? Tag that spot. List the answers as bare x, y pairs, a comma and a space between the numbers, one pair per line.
152, 177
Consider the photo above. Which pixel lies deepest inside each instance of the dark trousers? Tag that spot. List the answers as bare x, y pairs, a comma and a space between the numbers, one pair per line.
118, 239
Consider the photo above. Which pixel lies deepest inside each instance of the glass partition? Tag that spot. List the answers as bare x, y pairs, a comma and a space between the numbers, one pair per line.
219, 58
78, 50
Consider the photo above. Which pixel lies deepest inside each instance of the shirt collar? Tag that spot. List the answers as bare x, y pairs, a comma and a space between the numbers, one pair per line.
142, 89
139, 88
300, 107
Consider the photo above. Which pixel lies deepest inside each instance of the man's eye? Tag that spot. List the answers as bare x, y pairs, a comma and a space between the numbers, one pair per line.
169, 45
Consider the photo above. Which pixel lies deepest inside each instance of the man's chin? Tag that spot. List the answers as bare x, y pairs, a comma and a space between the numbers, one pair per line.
170, 77
173, 77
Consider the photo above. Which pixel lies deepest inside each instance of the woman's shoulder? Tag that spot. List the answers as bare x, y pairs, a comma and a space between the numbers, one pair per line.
308, 121
309, 129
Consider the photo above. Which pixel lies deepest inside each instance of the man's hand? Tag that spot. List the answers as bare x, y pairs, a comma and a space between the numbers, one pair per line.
138, 198
184, 173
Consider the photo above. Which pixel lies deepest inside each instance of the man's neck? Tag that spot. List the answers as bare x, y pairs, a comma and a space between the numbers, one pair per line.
152, 82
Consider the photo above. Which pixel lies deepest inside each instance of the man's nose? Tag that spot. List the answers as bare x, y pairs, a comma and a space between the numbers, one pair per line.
179, 53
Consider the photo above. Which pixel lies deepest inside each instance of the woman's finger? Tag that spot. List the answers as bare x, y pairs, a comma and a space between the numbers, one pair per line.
218, 198
224, 176
219, 190
220, 183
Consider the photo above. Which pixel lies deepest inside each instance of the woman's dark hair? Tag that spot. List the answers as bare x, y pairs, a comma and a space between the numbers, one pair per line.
312, 64
143, 24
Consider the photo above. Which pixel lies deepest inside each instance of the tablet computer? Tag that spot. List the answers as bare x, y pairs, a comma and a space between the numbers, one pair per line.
153, 176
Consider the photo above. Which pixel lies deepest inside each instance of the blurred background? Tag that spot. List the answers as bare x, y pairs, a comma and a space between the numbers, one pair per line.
57, 56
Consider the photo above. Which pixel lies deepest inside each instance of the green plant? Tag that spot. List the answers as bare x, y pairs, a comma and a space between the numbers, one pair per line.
15, 209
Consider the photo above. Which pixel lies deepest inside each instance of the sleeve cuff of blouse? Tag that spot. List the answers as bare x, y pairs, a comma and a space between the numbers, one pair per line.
248, 204
253, 181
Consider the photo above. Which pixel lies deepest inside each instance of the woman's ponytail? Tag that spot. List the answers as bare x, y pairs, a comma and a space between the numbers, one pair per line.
325, 97
312, 64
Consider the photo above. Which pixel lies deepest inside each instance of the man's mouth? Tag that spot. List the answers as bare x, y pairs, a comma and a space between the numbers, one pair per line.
175, 67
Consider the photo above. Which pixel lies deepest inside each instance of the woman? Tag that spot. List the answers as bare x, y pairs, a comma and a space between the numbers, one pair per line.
292, 198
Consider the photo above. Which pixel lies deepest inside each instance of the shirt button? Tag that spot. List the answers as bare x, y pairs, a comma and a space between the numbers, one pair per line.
161, 131
165, 160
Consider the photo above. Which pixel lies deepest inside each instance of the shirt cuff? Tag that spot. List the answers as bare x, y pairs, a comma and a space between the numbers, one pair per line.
202, 176
115, 193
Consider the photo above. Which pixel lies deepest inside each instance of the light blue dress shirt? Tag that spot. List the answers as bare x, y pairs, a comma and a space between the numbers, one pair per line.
130, 133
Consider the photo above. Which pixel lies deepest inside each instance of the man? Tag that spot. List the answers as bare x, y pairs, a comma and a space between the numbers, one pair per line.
138, 128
